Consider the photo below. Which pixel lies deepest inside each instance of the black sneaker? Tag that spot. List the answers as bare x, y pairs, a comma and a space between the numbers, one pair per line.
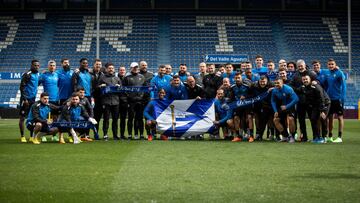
116, 138
258, 138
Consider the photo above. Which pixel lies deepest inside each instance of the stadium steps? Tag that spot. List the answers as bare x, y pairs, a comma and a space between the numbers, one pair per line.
164, 42
280, 40
44, 47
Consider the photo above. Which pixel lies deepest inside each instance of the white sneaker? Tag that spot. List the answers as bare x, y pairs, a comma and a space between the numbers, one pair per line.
77, 140
136, 137
338, 140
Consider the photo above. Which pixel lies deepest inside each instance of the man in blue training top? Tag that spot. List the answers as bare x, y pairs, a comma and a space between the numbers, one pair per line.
82, 78
149, 114
65, 74
183, 73
283, 100
28, 89
321, 74
223, 115
50, 79
37, 119
336, 89
250, 75
177, 90
161, 80
240, 91
229, 73
74, 111
260, 68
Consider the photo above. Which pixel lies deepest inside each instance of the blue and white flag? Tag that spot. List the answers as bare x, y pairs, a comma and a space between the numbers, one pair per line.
178, 118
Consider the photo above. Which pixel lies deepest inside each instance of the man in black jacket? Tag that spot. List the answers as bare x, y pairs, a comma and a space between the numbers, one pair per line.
211, 82
110, 101
96, 73
317, 106
135, 100
123, 105
148, 76
194, 90
296, 84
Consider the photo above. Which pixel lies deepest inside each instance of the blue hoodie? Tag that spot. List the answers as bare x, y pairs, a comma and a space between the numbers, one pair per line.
336, 85
284, 96
177, 93
160, 83
50, 82
223, 110
65, 89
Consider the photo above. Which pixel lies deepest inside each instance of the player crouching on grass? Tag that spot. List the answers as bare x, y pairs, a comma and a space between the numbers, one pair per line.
283, 100
74, 112
149, 116
37, 119
223, 115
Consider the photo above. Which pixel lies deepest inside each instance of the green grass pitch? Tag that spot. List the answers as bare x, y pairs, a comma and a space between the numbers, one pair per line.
179, 171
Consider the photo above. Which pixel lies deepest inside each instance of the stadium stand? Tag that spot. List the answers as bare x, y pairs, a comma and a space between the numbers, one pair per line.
19, 37
175, 39
127, 39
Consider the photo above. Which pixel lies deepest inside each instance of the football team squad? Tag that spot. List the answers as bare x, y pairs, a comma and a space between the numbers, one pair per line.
296, 91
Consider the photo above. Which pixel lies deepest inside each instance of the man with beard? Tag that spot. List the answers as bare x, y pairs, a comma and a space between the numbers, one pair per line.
65, 74
183, 74
123, 103
177, 90
148, 76
28, 90
110, 101
211, 82
223, 115
38, 121
317, 103
263, 111
160, 81
240, 91
96, 74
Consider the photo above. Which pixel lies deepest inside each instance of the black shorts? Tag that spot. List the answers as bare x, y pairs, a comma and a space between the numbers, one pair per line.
241, 112
44, 128
336, 107
289, 112
24, 109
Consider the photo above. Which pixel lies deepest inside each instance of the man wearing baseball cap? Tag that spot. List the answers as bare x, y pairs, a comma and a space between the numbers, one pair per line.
135, 99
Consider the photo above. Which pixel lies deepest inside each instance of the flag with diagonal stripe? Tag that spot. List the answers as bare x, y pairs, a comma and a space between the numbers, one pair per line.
184, 117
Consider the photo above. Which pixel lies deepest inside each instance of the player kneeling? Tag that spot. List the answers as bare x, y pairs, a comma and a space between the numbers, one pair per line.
223, 115
37, 119
74, 112
149, 116
283, 100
